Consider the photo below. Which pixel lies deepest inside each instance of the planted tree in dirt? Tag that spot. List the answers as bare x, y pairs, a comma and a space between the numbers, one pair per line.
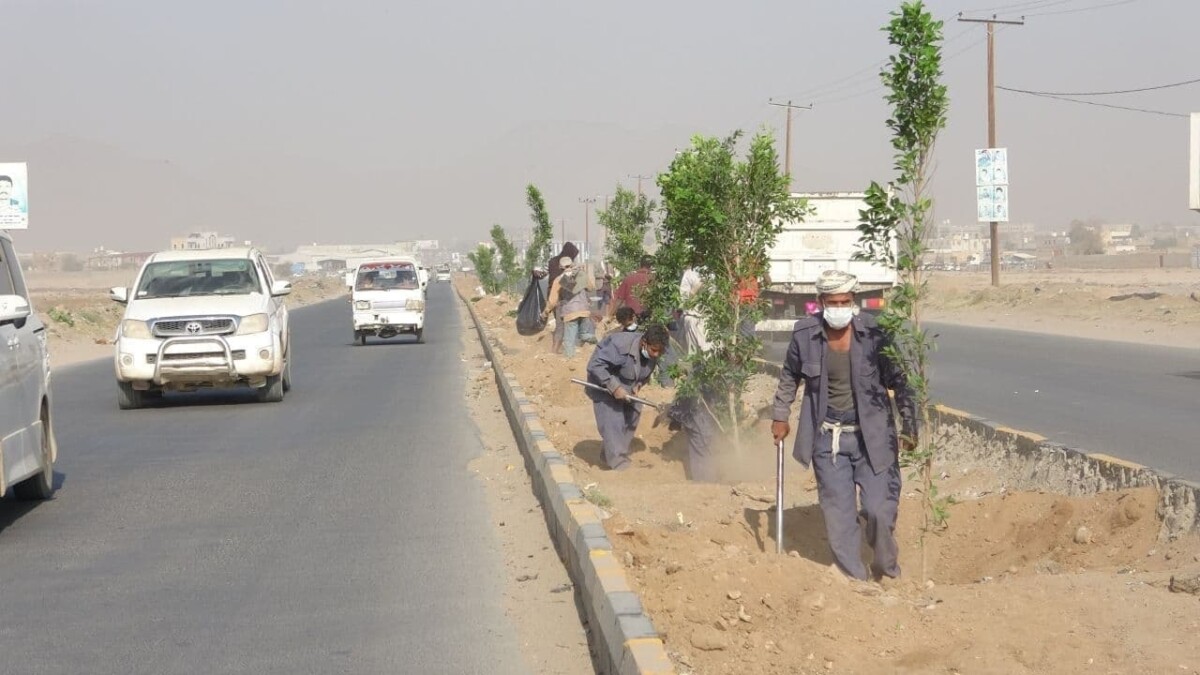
626, 223
484, 260
508, 274
539, 250
722, 214
897, 222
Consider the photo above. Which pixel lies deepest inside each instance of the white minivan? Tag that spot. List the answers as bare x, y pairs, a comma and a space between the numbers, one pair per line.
388, 299
27, 446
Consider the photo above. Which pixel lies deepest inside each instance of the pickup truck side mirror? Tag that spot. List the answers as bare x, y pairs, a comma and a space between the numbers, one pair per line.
281, 288
119, 294
13, 308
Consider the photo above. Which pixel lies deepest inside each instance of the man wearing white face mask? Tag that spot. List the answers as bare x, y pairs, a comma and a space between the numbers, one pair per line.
847, 431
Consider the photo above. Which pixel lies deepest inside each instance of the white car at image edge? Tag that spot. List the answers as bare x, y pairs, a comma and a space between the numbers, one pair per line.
203, 319
27, 445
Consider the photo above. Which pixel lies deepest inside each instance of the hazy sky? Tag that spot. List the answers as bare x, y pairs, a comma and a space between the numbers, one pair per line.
304, 121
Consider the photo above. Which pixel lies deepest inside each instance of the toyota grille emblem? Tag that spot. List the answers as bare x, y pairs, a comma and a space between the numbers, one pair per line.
194, 327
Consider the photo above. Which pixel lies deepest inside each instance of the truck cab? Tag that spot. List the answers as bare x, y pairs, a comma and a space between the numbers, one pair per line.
827, 238
387, 298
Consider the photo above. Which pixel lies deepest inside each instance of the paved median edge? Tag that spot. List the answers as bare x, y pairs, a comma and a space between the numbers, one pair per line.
624, 638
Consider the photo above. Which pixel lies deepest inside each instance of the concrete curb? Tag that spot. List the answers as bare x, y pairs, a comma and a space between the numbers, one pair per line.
626, 641
1036, 460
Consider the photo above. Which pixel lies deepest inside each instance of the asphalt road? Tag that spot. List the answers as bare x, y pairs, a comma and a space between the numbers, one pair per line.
337, 532
1132, 401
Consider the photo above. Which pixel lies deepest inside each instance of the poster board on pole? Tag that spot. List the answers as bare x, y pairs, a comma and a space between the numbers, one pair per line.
14, 196
991, 185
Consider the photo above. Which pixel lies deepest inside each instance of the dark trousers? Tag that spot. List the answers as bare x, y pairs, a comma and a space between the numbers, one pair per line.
703, 434
840, 484
617, 422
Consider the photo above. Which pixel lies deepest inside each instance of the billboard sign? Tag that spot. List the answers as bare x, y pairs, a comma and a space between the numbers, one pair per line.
14, 196
991, 185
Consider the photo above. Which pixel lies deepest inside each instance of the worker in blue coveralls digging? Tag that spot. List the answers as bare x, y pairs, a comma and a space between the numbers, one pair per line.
847, 430
622, 363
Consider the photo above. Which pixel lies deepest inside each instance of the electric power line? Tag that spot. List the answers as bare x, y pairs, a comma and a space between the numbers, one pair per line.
880, 87
1078, 10
1028, 4
1103, 93
1095, 103
859, 77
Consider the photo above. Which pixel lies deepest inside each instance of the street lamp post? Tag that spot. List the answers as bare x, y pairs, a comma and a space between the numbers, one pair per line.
587, 239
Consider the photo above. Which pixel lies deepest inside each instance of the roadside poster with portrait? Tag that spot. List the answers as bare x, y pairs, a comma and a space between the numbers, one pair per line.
14, 196
991, 185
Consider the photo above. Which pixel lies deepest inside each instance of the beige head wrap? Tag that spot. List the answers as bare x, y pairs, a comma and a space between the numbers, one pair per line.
832, 282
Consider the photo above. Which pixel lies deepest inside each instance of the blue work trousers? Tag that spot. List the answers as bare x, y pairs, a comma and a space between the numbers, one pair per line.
841, 481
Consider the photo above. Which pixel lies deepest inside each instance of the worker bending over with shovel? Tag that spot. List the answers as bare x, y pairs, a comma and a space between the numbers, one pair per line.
621, 365
847, 431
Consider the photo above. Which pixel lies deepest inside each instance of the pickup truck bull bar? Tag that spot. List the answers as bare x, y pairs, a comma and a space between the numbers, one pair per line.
211, 339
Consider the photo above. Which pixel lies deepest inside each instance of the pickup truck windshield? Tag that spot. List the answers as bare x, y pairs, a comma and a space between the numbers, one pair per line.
387, 277
198, 277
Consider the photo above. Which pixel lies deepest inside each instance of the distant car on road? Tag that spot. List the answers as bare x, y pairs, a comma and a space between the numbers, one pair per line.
27, 445
203, 319
443, 273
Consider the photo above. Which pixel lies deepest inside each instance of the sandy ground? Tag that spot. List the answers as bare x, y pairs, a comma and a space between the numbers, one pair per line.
539, 594
82, 321
1077, 303
1012, 591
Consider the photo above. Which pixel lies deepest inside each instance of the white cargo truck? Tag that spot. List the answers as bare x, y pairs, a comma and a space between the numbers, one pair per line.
826, 239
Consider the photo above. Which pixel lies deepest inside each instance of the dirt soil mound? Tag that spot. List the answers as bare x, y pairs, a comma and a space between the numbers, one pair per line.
1021, 582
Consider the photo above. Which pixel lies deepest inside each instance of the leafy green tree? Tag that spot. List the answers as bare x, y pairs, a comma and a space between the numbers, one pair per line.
626, 222
721, 214
509, 273
484, 260
539, 250
896, 225
1085, 239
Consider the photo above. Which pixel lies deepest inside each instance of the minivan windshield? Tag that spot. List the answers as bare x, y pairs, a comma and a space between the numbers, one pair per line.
198, 277
387, 277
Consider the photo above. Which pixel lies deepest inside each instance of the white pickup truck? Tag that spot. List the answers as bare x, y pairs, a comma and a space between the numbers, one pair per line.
199, 319
826, 239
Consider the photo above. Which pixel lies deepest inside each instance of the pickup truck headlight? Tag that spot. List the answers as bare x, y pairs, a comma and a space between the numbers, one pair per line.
255, 323
414, 305
362, 305
137, 330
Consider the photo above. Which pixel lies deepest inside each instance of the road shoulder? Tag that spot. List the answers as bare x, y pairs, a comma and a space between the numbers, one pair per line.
538, 592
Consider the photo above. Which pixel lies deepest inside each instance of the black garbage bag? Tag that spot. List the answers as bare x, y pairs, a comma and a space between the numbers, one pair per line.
529, 313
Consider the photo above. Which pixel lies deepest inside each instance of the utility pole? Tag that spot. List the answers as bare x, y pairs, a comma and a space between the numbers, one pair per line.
639, 180
787, 143
587, 209
993, 226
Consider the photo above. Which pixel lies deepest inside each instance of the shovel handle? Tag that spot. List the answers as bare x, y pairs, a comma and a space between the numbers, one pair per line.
779, 455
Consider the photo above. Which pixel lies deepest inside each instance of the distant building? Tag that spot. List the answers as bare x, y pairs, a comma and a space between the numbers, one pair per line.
102, 260
204, 241
316, 258
957, 246
1119, 239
